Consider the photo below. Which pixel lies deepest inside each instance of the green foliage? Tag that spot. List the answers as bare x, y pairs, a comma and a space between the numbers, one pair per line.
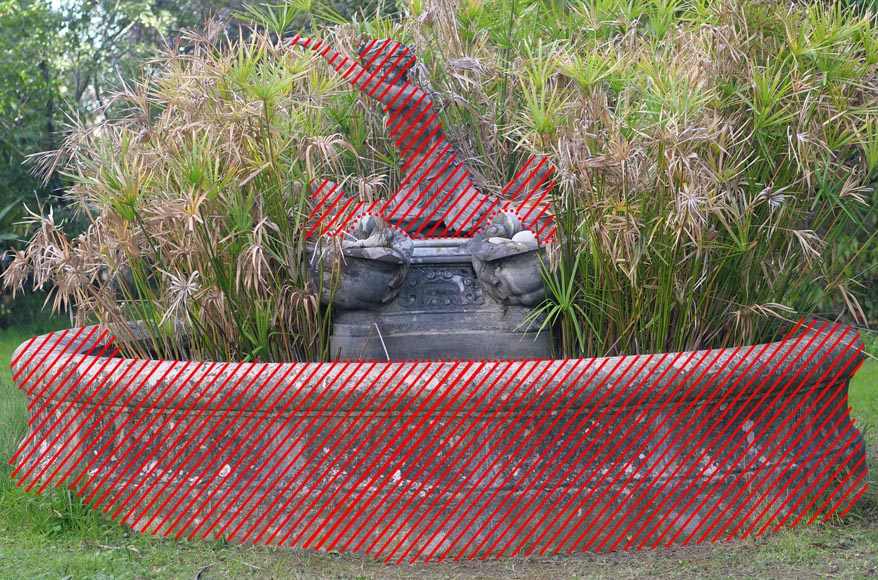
29, 96
105, 42
714, 159
56, 61
197, 207
563, 310
858, 248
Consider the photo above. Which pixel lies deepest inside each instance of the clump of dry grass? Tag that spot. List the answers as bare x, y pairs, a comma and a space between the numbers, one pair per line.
708, 156
194, 195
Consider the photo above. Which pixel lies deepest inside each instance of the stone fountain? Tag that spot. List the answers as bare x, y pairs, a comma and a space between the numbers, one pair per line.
467, 454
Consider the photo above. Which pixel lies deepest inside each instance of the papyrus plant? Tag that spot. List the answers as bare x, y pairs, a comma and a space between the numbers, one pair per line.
709, 158
709, 155
196, 198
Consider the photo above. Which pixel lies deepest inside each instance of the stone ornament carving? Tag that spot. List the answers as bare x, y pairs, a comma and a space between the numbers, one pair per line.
507, 260
364, 268
441, 286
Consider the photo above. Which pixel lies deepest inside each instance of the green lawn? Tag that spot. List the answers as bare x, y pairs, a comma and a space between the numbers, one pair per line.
53, 536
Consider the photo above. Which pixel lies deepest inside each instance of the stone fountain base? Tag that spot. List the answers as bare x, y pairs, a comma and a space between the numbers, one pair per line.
425, 460
441, 313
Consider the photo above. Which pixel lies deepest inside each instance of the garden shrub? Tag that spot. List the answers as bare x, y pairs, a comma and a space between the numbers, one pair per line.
196, 207
708, 155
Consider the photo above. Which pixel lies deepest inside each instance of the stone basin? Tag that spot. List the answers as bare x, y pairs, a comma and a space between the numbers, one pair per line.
447, 459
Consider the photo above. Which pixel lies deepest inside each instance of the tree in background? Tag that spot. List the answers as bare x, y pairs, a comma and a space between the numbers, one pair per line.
60, 59
64, 60
30, 93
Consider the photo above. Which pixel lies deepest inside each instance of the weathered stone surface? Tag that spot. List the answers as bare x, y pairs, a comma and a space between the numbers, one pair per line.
512, 276
415, 459
441, 312
362, 269
509, 262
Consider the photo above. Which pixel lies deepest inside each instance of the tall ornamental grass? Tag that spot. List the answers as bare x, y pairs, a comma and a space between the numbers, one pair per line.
194, 197
709, 156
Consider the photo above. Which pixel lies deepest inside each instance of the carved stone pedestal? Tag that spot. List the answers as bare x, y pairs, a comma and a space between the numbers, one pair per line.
441, 313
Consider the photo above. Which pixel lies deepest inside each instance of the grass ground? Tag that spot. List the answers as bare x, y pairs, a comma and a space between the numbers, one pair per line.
53, 536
